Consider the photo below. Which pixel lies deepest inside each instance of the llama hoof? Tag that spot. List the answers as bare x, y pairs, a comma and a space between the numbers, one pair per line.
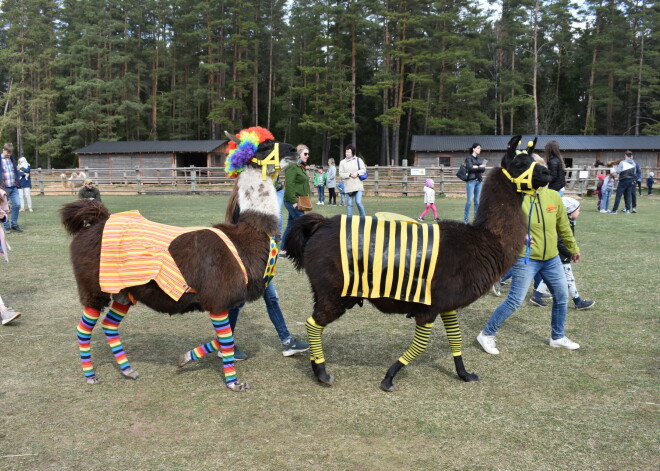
321, 374
185, 358
469, 377
130, 373
93, 380
388, 386
239, 386
326, 379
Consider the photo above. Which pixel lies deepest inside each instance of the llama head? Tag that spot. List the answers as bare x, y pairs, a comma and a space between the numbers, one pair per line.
519, 167
256, 147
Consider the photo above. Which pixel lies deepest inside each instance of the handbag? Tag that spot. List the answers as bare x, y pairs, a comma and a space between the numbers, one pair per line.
304, 203
462, 172
366, 173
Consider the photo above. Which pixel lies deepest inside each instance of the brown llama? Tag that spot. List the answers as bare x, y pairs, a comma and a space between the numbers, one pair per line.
467, 261
219, 267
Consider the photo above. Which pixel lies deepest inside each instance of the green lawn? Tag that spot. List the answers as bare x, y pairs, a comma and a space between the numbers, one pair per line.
535, 408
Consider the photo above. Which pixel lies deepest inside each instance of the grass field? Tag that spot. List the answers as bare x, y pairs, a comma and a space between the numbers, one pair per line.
535, 408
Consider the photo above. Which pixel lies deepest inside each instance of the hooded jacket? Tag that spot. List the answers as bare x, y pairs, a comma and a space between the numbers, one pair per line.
548, 219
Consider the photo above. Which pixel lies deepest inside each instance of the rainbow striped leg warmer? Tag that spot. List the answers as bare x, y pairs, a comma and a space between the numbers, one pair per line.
85, 327
421, 340
314, 332
110, 326
225, 340
450, 319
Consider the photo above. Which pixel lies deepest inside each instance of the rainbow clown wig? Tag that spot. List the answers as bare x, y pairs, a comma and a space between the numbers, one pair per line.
240, 154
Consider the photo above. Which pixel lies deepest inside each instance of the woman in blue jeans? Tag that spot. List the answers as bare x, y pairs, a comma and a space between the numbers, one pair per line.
475, 168
296, 183
548, 217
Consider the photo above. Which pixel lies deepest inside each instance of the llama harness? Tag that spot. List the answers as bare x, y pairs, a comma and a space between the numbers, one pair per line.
135, 251
388, 258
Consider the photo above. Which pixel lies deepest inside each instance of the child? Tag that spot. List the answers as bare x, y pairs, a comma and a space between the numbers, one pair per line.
319, 183
649, 183
429, 200
573, 211
342, 193
608, 187
599, 190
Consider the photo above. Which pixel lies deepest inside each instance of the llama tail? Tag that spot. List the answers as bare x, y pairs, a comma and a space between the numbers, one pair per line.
82, 213
301, 230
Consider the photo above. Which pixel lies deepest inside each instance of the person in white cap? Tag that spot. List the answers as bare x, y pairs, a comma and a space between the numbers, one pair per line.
573, 211
89, 191
649, 183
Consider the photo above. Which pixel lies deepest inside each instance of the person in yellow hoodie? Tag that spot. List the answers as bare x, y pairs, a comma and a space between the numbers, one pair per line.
546, 217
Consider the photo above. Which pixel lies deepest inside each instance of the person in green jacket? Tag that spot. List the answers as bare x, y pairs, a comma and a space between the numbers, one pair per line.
547, 218
296, 183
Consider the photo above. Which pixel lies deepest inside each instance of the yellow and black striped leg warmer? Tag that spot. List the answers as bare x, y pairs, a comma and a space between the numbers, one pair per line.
450, 319
421, 340
314, 332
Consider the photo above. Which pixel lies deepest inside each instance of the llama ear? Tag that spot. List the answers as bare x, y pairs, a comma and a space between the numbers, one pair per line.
231, 137
531, 145
512, 145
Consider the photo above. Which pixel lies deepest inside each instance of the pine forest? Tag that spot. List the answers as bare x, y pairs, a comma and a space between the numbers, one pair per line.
324, 73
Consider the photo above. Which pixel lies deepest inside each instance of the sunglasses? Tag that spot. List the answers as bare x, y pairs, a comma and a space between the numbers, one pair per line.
305, 153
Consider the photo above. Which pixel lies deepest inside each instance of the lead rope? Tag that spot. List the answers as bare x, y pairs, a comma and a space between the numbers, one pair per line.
528, 243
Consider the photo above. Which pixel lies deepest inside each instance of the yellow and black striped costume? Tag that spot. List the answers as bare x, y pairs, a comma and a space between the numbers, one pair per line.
388, 259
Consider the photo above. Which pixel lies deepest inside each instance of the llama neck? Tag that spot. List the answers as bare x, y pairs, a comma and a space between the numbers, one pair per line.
500, 210
257, 200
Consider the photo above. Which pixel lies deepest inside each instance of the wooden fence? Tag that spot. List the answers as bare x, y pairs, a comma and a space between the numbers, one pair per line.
382, 181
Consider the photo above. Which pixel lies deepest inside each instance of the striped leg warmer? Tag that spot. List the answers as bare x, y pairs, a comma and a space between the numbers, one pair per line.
110, 326
225, 342
85, 327
453, 332
314, 332
421, 340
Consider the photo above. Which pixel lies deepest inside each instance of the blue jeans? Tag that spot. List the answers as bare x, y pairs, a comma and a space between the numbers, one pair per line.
473, 189
552, 272
274, 312
605, 202
321, 191
626, 189
357, 197
14, 196
294, 213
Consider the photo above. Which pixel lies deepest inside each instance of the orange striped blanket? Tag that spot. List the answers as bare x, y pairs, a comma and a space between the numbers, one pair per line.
135, 251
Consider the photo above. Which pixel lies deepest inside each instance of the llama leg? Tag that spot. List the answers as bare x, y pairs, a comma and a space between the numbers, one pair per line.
314, 332
454, 336
85, 327
110, 326
421, 340
225, 343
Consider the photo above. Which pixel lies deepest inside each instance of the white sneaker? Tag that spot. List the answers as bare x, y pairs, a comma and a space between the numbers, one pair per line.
564, 342
487, 342
9, 315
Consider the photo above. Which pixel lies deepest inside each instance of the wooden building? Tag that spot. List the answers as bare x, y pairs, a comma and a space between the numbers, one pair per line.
578, 151
146, 155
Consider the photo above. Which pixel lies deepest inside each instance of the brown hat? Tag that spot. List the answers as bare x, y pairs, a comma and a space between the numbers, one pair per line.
87, 181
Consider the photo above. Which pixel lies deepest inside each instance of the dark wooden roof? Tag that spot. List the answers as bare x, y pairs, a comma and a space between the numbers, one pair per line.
498, 143
151, 147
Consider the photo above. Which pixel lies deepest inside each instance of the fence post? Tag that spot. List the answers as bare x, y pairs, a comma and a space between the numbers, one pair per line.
375, 180
405, 181
40, 179
442, 179
138, 178
193, 178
